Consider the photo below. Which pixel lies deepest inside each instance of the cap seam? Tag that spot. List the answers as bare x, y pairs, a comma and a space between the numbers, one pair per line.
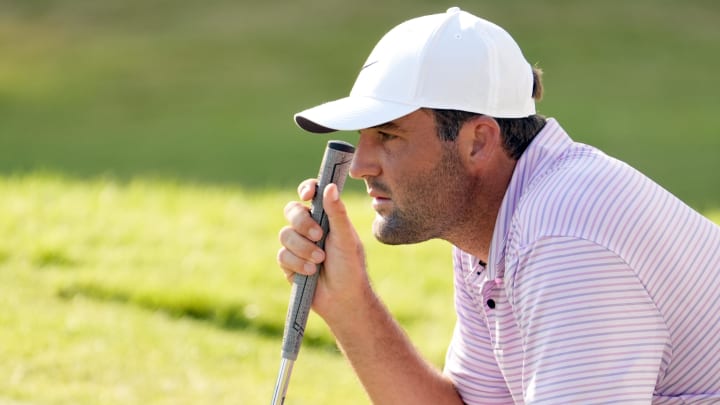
491, 95
451, 60
432, 39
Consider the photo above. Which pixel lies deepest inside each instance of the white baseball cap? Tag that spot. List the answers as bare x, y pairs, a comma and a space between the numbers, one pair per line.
452, 60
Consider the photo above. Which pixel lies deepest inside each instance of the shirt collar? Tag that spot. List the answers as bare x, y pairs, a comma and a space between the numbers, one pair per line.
549, 145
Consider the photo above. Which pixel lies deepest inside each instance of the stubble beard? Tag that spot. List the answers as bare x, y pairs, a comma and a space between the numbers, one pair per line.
430, 205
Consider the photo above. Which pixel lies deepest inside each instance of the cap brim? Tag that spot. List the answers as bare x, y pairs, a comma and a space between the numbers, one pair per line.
351, 114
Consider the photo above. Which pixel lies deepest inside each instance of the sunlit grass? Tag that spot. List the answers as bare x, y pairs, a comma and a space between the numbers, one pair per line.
159, 292
162, 293
154, 292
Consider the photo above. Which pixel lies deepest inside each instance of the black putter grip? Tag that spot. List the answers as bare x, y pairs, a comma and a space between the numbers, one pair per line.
334, 169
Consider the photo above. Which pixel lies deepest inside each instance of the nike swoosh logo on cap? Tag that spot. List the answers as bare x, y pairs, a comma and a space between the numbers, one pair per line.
370, 64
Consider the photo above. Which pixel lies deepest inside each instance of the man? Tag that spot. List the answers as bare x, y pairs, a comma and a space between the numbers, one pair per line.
577, 279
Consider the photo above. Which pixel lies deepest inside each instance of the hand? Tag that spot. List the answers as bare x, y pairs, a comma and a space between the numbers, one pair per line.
343, 280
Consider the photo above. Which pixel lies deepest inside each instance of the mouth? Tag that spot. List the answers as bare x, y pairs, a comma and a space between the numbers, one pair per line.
381, 204
379, 201
379, 194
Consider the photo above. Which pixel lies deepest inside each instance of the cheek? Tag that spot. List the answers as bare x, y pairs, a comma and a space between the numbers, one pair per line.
415, 174
420, 187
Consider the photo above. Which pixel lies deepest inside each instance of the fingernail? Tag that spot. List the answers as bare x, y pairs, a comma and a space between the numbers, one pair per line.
315, 234
317, 256
333, 194
309, 268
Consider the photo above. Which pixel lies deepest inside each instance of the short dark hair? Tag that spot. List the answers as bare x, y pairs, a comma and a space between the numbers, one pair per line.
517, 133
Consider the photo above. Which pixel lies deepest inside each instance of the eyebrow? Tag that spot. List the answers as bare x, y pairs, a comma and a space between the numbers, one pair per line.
389, 126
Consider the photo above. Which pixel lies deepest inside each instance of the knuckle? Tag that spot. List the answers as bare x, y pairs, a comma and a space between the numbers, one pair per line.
296, 212
281, 256
284, 234
287, 261
289, 274
294, 243
289, 207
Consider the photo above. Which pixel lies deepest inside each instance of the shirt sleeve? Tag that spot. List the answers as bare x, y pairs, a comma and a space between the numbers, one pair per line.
590, 331
470, 362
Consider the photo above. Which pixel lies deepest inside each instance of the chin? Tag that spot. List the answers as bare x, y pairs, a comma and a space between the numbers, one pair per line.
380, 231
390, 233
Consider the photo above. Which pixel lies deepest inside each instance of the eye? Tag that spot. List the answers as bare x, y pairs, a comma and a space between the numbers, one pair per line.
385, 137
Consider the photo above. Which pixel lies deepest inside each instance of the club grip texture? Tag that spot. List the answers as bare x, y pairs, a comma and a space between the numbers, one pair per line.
334, 169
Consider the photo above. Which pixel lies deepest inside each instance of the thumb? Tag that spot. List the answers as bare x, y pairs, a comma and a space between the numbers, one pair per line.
336, 212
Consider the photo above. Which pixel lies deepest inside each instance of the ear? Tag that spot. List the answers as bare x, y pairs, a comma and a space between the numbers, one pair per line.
479, 142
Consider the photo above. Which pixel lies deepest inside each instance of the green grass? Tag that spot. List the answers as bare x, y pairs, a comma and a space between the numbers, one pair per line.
191, 90
159, 293
152, 292
147, 150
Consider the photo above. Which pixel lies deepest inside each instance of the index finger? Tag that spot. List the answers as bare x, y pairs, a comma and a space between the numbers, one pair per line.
306, 189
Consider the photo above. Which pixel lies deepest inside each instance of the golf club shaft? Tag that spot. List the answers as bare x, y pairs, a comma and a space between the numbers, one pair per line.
283, 380
334, 169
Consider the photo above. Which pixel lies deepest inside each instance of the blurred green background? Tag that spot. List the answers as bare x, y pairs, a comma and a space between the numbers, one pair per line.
205, 91
147, 149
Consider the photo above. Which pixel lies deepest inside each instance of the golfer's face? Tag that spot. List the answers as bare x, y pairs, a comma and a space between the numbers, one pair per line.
408, 171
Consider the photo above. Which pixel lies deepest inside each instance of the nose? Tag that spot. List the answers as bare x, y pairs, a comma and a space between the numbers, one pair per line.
365, 161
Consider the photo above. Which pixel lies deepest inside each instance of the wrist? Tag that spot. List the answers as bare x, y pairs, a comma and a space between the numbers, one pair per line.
353, 312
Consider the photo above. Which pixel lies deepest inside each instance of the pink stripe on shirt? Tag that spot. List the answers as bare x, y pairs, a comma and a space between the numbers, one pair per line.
601, 287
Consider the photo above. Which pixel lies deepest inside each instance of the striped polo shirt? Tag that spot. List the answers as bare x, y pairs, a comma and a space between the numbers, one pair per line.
601, 287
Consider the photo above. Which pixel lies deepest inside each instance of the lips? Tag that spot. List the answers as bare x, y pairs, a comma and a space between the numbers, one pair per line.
379, 200
379, 193
379, 204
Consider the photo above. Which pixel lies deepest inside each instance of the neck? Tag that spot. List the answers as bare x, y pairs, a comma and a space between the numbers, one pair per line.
473, 233
475, 236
